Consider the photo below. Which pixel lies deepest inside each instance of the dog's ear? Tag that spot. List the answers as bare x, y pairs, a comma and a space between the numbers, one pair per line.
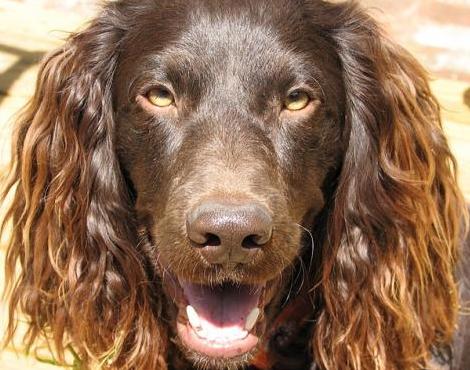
73, 266
388, 270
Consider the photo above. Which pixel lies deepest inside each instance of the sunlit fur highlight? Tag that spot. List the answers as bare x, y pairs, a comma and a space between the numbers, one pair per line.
388, 285
73, 266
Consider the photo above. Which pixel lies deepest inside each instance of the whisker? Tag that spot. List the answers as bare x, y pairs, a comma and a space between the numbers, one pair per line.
289, 293
312, 244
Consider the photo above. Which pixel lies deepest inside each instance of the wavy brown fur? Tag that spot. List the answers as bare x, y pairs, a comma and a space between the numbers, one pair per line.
388, 288
72, 267
388, 280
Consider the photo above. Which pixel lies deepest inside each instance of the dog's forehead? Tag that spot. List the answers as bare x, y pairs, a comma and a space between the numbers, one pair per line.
228, 41
282, 16
225, 48
230, 47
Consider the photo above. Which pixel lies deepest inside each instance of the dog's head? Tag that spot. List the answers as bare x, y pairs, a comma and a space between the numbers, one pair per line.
181, 160
227, 129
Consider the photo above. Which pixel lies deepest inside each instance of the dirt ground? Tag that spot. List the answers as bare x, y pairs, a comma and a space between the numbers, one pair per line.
437, 32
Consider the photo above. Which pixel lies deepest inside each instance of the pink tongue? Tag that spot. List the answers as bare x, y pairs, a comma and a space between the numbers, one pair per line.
223, 306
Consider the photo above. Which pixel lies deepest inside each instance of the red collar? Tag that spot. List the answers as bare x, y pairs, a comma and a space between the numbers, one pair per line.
297, 312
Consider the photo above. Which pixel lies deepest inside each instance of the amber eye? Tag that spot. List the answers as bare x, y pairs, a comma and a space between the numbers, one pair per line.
160, 97
296, 100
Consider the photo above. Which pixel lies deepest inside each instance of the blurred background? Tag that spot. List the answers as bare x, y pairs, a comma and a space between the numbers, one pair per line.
437, 32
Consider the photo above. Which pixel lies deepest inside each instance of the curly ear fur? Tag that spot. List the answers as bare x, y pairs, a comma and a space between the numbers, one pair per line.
72, 260
388, 285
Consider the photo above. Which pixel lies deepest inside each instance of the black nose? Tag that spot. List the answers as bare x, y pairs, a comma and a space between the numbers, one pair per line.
229, 233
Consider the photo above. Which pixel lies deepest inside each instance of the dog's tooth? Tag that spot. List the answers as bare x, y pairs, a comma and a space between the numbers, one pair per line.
201, 333
243, 334
193, 317
251, 319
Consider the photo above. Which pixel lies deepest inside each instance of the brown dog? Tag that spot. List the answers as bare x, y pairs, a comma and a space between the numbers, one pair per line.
230, 184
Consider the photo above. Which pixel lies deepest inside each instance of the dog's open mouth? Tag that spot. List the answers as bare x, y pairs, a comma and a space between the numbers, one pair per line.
220, 321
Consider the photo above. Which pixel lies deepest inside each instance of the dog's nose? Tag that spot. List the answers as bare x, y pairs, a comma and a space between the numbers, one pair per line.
229, 233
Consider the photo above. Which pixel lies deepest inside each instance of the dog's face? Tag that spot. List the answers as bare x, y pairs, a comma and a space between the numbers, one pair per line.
228, 124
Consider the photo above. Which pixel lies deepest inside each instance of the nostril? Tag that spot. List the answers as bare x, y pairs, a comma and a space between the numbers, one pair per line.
254, 241
250, 242
212, 240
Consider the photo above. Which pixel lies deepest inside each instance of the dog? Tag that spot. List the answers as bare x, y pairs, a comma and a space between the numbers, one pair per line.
253, 184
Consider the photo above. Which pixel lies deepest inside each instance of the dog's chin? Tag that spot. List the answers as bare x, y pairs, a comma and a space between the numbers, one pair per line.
200, 361
219, 326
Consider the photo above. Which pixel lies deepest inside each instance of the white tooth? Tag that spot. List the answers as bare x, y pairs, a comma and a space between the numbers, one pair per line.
193, 317
201, 333
251, 319
243, 334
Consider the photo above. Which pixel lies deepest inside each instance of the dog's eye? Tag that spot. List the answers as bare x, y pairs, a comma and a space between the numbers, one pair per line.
296, 100
160, 97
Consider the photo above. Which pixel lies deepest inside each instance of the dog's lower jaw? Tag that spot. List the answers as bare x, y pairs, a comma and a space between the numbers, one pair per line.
196, 361
183, 358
